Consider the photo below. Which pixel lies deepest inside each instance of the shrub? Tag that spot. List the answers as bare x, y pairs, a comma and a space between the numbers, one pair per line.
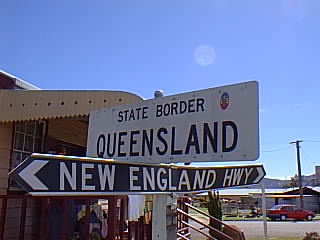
215, 210
312, 236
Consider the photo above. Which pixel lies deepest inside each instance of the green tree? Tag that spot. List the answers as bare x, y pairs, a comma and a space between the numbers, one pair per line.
294, 182
215, 210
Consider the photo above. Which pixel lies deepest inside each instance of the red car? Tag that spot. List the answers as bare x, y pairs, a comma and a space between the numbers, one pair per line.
289, 211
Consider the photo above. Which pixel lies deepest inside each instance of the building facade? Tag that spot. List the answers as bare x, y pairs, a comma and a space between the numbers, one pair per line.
54, 122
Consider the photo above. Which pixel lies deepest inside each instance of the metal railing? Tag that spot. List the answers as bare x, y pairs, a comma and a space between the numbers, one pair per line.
183, 225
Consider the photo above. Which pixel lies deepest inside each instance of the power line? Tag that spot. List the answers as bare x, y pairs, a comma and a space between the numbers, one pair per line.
276, 150
308, 156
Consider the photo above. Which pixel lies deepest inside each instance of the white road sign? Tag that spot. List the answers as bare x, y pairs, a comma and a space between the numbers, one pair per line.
211, 125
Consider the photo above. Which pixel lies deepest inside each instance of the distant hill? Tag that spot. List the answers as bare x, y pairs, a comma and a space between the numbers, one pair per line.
274, 183
278, 183
268, 183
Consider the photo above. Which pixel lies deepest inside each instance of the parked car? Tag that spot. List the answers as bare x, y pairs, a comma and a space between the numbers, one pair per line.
283, 212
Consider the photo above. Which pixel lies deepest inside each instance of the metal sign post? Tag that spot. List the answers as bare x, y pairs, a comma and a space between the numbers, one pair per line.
159, 208
264, 212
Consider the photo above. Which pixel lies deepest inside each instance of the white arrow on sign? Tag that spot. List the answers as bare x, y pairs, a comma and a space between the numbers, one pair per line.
260, 175
28, 174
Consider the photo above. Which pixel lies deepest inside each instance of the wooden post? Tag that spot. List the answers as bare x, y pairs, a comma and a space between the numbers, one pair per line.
43, 229
112, 217
3, 216
23, 218
87, 220
122, 209
141, 228
65, 221
131, 230
137, 230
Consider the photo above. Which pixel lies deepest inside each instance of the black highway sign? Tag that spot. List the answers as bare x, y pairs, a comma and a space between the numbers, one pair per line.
54, 175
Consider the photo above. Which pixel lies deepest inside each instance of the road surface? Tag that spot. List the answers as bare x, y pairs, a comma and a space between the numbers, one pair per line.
277, 228
274, 228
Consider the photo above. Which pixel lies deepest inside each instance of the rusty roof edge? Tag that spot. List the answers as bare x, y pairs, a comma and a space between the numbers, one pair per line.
23, 105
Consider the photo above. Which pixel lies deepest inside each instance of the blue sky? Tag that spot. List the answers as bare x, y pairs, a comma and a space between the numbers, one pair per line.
143, 45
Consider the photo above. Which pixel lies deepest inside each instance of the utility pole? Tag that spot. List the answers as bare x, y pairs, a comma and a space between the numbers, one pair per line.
164, 216
297, 142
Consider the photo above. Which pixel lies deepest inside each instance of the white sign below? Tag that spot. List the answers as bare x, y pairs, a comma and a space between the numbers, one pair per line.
211, 125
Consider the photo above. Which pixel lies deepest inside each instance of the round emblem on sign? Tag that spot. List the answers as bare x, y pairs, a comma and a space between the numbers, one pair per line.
224, 100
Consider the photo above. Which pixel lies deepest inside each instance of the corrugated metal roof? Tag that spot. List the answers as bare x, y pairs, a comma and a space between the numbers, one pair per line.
286, 196
19, 83
316, 188
21, 105
255, 192
244, 191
